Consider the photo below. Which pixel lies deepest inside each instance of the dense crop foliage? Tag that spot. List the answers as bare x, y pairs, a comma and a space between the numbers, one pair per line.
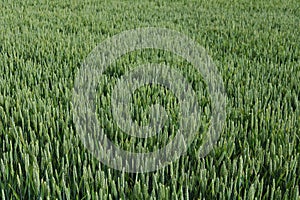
255, 46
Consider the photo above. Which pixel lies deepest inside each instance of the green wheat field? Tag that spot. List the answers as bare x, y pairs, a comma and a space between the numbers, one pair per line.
255, 46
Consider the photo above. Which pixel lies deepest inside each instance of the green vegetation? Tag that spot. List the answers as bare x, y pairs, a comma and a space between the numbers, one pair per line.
255, 46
